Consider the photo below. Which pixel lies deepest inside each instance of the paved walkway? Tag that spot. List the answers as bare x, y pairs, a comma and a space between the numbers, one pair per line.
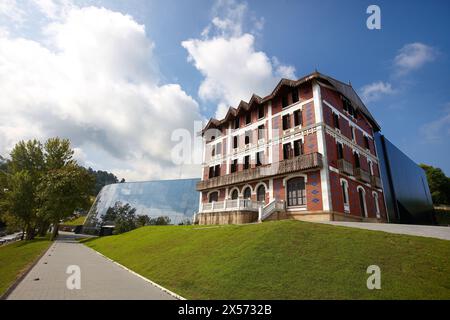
409, 229
100, 278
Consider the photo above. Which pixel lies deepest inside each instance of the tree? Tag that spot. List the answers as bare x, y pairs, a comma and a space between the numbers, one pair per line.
123, 216
19, 203
58, 153
103, 178
142, 220
160, 221
439, 184
63, 190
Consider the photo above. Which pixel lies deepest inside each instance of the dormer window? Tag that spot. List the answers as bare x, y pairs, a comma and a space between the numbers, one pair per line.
248, 118
236, 123
295, 95
261, 112
284, 101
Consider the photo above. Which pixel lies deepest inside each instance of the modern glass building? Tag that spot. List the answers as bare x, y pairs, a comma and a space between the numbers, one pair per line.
176, 199
406, 190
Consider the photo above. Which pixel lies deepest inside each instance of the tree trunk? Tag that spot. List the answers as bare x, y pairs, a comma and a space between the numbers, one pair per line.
55, 231
43, 228
30, 233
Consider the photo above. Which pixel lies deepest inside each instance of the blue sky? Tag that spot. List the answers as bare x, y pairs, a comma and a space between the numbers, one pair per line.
402, 70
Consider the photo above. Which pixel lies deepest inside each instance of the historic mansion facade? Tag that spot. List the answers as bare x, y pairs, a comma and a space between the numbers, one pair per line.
306, 151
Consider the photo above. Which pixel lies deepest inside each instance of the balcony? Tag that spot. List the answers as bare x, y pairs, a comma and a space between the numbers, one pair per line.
300, 163
362, 175
375, 181
232, 205
345, 166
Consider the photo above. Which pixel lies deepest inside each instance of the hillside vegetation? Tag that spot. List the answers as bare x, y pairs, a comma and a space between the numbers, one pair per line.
283, 260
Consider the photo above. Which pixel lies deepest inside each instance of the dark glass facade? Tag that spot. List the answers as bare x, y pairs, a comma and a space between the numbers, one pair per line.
406, 190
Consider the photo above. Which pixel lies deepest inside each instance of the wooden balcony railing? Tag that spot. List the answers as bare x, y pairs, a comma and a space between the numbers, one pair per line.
375, 181
362, 175
345, 166
300, 163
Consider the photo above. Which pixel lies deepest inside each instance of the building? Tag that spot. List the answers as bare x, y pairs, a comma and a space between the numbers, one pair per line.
306, 151
407, 194
176, 199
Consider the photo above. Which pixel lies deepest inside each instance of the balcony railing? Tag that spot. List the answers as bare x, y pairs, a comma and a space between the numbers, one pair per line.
345, 166
362, 175
300, 163
232, 205
375, 181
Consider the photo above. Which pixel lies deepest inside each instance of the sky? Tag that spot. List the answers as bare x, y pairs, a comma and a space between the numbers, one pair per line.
123, 80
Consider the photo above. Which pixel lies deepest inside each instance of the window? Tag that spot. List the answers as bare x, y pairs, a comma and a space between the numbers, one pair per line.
366, 142
362, 201
219, 148
261, 112
246, 162
284, 101
356, 158
294, 95
213, 196
235, 142
234, 194
336, 120
213, 137
377, 205
286, 122
298, 147
340, 151
370, 167
247, 193
296, 193
236, 123
248, 118
344, 185
211, 172
297, 117
217, 170
259, 158
345, 104
352, 129
234, 166
261, 193
247, 137
261, 132
287, 151
213, 151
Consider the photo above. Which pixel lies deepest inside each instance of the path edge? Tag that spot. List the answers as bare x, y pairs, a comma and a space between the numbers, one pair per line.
22, 276
173, 294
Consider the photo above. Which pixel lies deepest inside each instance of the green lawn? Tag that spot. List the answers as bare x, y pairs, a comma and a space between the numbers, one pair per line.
283, 260
16, 257
77, 221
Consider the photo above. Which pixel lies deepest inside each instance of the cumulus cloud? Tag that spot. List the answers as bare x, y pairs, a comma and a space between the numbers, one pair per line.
96, 82
439, 129
375, 91
227, 57
412, 56
11, 10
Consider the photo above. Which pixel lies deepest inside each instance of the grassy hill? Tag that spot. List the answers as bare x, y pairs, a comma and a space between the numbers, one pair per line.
283, 260
75, 222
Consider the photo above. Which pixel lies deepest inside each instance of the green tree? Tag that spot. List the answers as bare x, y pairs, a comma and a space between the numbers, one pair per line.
160, 221
142, 220
123, 216
439, 184
18, 203
58, 153
63, 190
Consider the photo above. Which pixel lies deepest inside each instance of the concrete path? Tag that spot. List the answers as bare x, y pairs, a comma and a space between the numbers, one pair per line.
100, 278
409, 229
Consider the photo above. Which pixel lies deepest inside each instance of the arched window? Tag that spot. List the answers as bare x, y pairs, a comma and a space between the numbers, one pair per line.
247, 193
296, 193
213, 196
362, 201
234, 194
261, 193
377, 204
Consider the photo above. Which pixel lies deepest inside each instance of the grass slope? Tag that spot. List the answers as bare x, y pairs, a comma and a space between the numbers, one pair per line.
16, 257
283, 260
75, 222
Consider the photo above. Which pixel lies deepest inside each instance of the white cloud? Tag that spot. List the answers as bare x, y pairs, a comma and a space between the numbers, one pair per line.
97, 83
439, 129
10, 9
232, 67
375, 91
412, 56
54, 9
